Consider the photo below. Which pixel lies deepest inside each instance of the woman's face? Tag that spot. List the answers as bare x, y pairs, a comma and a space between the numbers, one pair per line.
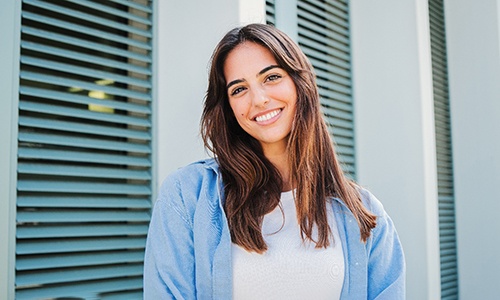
261, 94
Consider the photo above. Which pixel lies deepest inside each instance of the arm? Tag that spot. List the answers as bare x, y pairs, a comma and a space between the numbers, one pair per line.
386, 263
169, 266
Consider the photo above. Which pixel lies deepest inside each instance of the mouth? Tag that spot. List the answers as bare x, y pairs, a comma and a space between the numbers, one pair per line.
268, 116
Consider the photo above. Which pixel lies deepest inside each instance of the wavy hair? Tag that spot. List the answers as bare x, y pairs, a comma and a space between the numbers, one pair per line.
252, 184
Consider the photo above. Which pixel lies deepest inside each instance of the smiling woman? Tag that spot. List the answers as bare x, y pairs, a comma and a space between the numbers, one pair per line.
262, 96
241, 225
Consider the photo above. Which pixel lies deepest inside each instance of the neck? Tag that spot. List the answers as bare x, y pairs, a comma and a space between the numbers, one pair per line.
278, 156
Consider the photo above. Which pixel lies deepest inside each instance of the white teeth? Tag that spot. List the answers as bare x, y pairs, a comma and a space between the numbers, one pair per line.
267, 116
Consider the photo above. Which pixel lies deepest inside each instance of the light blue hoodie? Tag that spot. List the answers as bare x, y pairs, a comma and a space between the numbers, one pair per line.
188, 251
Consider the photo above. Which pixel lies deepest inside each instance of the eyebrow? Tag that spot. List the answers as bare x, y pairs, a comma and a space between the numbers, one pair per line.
260, 73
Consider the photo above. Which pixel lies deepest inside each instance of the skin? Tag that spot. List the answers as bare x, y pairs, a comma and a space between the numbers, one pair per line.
263, 97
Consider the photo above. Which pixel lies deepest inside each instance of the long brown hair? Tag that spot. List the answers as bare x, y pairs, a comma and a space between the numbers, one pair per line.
252, 184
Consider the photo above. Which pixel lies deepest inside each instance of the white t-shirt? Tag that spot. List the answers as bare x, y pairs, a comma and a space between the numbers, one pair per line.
290, 268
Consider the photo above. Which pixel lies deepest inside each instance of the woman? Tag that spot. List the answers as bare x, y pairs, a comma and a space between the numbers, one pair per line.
272, 216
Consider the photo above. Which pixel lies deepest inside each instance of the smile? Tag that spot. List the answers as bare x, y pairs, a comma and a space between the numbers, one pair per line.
268, 116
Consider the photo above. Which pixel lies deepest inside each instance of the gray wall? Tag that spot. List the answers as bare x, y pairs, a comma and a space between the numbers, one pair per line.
394, 121
473, 32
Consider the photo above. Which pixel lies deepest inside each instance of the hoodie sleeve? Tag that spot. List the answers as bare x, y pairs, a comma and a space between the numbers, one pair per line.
386, 262
169, 263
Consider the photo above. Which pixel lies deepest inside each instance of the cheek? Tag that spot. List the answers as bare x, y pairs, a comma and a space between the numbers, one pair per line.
234, 108
285, 92
238, 109
293, 93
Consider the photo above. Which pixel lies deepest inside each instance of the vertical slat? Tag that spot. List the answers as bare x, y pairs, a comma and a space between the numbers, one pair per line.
447, 233
84, 172
324, 37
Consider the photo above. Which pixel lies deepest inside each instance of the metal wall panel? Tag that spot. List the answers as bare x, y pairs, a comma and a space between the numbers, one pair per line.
324, 37
446, 198
84, 159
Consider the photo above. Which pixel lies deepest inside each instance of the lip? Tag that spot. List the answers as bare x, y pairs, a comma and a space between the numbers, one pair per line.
272, 119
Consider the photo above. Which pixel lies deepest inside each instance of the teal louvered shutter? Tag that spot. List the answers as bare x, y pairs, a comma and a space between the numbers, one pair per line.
447, 234
270, 17
324, 38
84, 161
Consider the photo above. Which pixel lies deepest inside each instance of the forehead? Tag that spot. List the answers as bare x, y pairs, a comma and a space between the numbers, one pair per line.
247, 59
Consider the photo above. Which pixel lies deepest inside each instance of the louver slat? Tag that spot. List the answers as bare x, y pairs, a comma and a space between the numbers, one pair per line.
326, 59
79, 99
88, 17
319, 33
335, 87
84, 290
447, 235
143, 8
270, 12
318, 19
84, 148
61, 170
70, 216
79, 245
84, 30
85, 114
123, 295
82, 187
47, 64
324, 38
71, 83
84, 57
82, 142
82, 128
338, 118
83, 201
72, 260
335, 12
116, 12
65, 231
79, 274
78, 156
335, 74
66, 39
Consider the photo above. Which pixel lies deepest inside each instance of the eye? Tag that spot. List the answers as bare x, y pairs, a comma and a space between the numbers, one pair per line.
273, 77
237, 90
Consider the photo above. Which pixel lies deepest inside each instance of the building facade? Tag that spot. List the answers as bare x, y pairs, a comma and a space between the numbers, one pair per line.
102, 99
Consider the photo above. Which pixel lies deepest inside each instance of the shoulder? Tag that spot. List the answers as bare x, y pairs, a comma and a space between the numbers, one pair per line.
385, 229
375, 206
199, 168
189, 176
371, 202
182, 189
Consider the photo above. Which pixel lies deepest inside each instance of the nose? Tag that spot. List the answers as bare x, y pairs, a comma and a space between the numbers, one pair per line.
259, 97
